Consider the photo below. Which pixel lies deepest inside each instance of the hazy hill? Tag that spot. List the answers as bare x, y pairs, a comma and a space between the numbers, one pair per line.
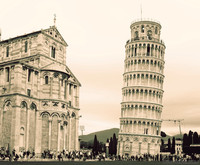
101, 135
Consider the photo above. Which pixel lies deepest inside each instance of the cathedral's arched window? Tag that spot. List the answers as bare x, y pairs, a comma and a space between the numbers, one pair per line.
33, 106
26, 46
29, 75
7, 51
7, 74
46, 79
53, 52
70, 89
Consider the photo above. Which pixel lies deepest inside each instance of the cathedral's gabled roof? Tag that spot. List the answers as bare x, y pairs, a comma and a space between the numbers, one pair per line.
52, 32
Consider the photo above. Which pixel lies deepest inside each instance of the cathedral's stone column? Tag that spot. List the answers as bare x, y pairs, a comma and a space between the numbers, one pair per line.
131, 145
38, 83
66, 91
51, 86
1, 121
59, 122
38, 133
64, 138
16, 131
72, 95
69, 134
50, 129
1, 76
123, 147
10, 75
76, 131
27, 129
1, 109
59, 86
32, 82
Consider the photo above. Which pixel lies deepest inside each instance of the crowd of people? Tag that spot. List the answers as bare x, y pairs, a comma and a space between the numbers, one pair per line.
6, 154
86, 155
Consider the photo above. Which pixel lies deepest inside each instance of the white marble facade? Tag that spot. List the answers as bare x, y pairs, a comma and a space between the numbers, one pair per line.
142, 91
39, 95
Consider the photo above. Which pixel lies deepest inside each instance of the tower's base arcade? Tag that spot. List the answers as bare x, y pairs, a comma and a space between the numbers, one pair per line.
135, 145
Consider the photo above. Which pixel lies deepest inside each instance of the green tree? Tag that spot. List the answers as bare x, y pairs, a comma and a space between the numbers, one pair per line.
173, 146
185, 143
107, 140
95, 145
169, 145
190, 138
195, 138
111, 146
162, 146
163, 134
114, 144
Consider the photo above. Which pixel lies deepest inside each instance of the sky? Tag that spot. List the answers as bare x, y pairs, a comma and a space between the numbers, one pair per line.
96, 32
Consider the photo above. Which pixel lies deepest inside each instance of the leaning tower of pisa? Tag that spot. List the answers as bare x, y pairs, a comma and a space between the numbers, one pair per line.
142, 91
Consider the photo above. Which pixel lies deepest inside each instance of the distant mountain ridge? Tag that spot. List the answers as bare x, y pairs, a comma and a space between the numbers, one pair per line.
102, 136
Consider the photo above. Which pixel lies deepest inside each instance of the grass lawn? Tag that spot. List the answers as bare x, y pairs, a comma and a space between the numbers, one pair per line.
97, 163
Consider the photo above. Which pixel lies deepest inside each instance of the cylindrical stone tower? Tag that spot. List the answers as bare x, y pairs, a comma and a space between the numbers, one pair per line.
142, 91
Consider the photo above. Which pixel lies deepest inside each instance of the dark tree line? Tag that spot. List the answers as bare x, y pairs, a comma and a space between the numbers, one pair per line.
188, 139
113, 145
171, 145
97, 146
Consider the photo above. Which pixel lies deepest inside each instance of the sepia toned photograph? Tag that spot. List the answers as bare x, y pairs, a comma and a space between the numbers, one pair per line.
99, 82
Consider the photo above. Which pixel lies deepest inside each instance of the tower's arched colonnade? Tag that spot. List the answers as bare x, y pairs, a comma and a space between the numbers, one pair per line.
142, 91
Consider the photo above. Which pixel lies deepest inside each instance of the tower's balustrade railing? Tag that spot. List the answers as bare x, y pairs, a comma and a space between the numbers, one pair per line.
145, 39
